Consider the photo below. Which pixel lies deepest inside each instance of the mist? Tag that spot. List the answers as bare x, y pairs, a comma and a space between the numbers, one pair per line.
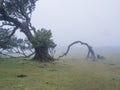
96, 22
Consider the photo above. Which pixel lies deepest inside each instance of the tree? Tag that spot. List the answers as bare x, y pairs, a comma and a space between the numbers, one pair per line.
14, 45
44, 42
16, 15
90, 55
6, 42
22, 47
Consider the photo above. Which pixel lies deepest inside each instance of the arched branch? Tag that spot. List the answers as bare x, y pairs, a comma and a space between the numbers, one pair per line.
90, 55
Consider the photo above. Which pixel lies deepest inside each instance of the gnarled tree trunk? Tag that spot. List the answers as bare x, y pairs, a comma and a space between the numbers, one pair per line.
90, 55
42, 54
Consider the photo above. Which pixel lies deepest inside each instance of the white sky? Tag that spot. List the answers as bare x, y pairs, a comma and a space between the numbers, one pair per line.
94, 21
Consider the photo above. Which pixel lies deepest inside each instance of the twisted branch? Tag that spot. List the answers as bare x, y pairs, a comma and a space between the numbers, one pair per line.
90, 55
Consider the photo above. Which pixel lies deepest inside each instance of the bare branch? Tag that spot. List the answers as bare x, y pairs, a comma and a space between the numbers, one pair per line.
7, 55
30, 55
6, 24
7, 38
90, 54
13, 32
32, 28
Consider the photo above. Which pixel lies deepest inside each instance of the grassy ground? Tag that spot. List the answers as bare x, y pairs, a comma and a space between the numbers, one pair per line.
66, 74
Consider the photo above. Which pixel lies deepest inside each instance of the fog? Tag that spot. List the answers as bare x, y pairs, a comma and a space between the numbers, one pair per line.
96, 22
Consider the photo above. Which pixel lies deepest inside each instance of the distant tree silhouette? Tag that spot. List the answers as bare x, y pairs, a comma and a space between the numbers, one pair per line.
90, 55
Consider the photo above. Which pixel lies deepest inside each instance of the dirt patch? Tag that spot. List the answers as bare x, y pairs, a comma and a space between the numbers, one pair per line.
21, 76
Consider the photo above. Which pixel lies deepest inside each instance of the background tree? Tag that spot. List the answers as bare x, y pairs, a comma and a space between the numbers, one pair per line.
14, 45
21, 47
6, 42
90, 55
16, 14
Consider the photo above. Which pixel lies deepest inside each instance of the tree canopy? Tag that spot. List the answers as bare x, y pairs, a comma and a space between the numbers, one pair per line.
16, 15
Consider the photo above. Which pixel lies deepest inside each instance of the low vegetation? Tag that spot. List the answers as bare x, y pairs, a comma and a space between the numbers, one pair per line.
66, 74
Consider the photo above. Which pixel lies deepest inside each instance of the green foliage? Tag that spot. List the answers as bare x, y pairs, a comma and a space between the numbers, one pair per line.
5, 41
19, 8
23, 44
43, 39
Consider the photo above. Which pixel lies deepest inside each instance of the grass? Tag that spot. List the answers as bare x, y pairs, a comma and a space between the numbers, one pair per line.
67, 74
